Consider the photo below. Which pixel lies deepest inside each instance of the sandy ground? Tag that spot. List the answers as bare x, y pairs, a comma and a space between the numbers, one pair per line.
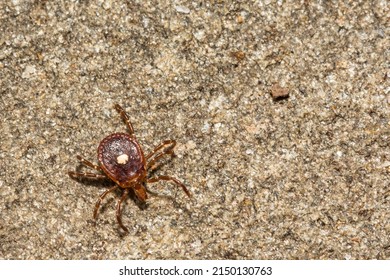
304, 176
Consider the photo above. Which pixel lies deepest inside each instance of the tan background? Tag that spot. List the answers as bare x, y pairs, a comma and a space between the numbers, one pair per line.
305, 177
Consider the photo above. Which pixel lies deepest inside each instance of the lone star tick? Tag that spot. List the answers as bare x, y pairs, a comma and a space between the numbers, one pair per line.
122, 160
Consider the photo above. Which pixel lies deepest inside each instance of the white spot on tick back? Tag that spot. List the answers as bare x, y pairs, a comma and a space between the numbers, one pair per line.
122, 159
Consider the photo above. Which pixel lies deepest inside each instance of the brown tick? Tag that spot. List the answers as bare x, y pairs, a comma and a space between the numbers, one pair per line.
122, 160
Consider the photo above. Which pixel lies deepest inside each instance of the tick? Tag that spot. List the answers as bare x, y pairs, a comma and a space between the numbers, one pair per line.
121, 160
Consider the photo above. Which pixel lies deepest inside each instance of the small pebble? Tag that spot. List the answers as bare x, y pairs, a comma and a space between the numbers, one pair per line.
279, 92
182, 9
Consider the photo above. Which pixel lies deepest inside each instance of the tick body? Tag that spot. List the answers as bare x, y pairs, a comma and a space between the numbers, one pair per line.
122, 160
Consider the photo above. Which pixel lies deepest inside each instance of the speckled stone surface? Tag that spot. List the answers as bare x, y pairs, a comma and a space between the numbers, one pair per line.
302, 177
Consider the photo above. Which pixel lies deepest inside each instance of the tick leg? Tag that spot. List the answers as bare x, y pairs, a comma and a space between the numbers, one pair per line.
169, 178
166, 147
89, 164
118, 210
125, 119
169, 144
101, 197
88, 175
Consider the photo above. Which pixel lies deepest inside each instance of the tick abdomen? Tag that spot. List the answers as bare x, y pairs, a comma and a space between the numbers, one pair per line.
121, 157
